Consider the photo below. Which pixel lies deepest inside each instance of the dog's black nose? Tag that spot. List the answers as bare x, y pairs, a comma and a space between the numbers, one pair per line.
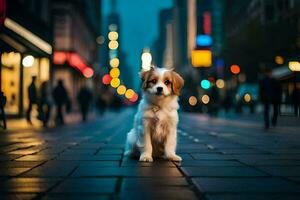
159, 89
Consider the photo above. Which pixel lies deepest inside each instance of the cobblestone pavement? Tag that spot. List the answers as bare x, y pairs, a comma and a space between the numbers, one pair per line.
222, 159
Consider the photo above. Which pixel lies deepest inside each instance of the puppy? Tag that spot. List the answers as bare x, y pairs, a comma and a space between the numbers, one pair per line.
154, 133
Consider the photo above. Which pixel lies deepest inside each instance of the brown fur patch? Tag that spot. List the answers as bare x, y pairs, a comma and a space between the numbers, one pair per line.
177, 82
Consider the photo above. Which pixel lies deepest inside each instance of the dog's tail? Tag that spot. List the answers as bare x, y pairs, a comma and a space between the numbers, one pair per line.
130, 146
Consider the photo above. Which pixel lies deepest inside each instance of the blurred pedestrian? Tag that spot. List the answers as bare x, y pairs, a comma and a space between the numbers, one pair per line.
84, 99
61, 98
270, 94
45, 103
32, 97
296, 100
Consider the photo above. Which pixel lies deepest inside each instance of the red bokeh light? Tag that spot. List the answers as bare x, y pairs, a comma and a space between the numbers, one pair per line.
211, 79
235, 69
59, 57
134, 98
73, 59
88, 72
106, 79
207, 23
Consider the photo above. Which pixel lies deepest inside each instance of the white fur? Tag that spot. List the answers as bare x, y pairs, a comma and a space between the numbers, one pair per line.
150, 137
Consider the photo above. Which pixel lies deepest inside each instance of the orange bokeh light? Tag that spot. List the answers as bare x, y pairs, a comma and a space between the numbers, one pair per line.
235, 69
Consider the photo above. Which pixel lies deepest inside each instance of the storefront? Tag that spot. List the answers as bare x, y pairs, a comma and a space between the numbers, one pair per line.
23, 55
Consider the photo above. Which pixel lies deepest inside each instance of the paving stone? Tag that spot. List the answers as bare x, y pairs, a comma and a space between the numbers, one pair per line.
160, 193
99, 163
194, 163
6, 157
198, 156
110, 151
259, 162
27, 185
241, 151
252, 196
126, 172
71, 196
35, 158
20, 164
22, 196
152, 183
281, 171
248, 185
12, 171
50, 171
87, 185
90, 157
216, 171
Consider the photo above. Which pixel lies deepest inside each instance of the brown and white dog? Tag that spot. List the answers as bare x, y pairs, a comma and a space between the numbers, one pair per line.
154, 133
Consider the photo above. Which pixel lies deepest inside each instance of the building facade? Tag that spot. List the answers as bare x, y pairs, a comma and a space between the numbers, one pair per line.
26, 49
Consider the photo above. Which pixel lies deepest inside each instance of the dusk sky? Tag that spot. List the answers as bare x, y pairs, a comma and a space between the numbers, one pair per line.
139, 22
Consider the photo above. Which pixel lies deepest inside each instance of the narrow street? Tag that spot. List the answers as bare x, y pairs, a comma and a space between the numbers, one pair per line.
222, 159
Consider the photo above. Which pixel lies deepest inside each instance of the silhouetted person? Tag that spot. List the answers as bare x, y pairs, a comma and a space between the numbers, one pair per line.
32, 97
60, 97
295, 100
270, 93
84, 99
227, 102
45, 103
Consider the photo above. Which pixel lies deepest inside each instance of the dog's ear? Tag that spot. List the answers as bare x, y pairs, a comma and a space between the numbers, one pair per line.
177, 83
145, 76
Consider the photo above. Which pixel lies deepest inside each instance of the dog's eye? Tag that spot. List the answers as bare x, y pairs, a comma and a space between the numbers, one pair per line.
167, 82
153, 81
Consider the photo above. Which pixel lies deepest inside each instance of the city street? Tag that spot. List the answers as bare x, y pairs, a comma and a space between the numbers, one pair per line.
222, 159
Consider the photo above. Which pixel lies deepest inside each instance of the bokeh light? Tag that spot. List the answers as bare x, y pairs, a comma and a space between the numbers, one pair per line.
146, 60
294, 66
113, 35
113, 44
106, 79
121, 90
235, 69
134, 98
129, 93
100, 39
113, 27
247, 97
28, 61
114, 62
114, 72
279, 60
115, 82
220, 83
192, 100
205, 99
88, 72
205, 84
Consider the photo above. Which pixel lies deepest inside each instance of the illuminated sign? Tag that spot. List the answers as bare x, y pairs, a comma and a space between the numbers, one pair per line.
203, 40
201, 58
60, 57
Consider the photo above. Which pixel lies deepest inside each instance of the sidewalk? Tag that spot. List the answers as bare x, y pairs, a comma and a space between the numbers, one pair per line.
222, 159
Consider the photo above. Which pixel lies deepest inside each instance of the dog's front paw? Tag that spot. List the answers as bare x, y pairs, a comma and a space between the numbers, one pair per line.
146, 158
174, 158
